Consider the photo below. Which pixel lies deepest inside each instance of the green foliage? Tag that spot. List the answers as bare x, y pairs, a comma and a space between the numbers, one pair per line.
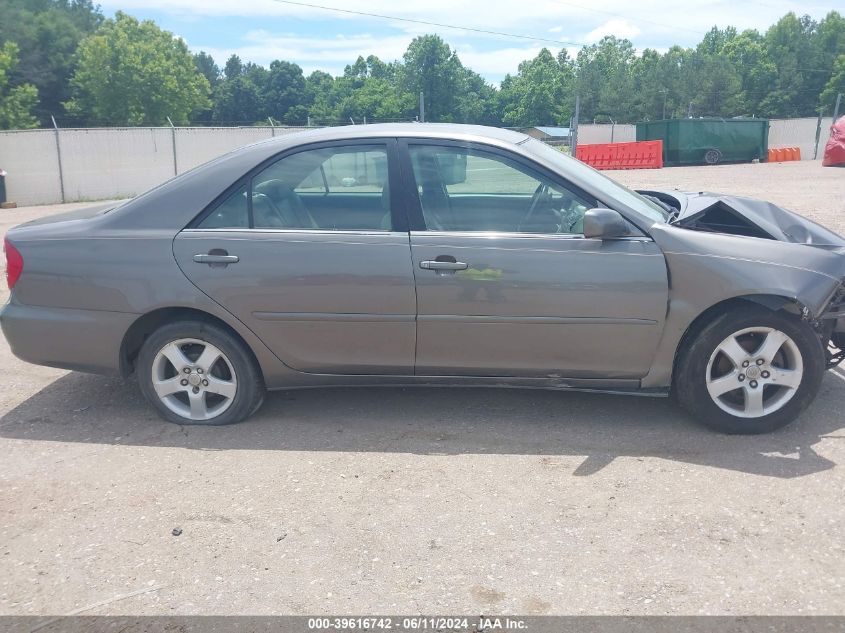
835, 85
209, 69
16, 103
132, 72
540, 93
47, 33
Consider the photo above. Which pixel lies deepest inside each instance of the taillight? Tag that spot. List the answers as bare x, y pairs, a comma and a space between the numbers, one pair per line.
14, 263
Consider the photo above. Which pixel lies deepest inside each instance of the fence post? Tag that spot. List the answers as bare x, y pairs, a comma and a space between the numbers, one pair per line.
59, 158
173, 139
818, 135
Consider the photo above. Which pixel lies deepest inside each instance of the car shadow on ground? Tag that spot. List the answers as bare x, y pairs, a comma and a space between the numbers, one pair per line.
436, 421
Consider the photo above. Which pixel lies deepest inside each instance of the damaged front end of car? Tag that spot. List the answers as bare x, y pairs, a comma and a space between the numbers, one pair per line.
761, 252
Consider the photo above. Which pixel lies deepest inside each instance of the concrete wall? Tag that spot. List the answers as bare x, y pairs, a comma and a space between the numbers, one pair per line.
591, 134
120, 162
110, 163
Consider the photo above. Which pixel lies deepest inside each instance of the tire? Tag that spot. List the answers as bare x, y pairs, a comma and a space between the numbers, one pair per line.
767, 396
195, 372
712, 156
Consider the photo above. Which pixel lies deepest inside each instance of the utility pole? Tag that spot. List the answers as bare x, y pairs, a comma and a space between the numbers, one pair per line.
836, 107
573, 133
665, 95
272, 126
173, 140
689, 110
59, 156
422, 107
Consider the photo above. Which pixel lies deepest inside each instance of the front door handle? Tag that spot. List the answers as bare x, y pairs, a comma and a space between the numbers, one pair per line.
213, 258
433, 264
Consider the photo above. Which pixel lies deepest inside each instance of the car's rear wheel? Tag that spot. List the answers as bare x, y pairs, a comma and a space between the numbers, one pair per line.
750, 370
194, 372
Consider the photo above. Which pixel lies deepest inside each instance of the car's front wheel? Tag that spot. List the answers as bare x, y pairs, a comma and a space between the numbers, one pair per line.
750, 370
194, 372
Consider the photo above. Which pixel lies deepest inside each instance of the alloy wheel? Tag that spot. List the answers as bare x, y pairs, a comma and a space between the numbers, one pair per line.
194, 379
754, 372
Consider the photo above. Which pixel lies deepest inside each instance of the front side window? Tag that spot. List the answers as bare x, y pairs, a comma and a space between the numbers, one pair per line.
334, 188
473, 190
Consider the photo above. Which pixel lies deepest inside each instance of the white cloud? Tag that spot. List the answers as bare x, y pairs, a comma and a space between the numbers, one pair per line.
496, 62
620, 28
330, 54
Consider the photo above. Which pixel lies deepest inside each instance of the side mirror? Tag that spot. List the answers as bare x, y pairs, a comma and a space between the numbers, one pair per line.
604, 224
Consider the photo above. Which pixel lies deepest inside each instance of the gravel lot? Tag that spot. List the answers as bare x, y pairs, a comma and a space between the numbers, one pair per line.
415, 500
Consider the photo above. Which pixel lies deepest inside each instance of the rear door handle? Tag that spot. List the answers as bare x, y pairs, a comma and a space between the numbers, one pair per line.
432, 264
207, 258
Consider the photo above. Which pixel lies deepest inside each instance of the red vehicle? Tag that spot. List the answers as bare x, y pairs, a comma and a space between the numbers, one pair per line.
834, 151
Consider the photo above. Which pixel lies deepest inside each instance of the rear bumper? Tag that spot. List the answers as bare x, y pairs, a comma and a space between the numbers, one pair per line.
82, 340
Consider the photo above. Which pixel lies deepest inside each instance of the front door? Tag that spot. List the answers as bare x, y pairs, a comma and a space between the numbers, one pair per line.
304, 252
507, 285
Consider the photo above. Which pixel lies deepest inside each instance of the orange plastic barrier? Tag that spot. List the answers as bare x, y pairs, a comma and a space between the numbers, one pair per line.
641, 155
783, 154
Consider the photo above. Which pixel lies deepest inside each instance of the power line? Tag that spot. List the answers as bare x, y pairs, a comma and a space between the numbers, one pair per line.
427, 23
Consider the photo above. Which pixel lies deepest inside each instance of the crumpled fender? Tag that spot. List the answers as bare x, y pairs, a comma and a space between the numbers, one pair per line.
708, 268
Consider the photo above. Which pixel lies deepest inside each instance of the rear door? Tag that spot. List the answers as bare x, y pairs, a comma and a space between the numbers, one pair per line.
507, 285
309, 251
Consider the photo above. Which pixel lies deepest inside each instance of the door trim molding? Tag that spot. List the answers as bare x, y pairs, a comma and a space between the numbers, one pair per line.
331, 316
539, 320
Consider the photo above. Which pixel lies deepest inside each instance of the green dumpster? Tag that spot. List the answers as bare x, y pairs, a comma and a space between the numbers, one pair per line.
708, 141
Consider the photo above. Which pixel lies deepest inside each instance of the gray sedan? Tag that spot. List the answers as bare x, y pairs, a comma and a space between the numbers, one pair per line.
431, 255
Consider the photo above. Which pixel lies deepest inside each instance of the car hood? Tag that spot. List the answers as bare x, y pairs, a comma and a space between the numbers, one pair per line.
737, 215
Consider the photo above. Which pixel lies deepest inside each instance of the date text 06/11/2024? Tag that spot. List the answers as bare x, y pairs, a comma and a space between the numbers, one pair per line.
417, 623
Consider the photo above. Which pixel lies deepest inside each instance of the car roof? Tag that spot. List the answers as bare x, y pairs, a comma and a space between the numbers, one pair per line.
455, 131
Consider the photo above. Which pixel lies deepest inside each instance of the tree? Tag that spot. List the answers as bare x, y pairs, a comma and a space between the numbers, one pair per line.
239, 97
604, 79
757, 72
132, 72
284, 92
47, 33
209, 69
835, 85
18, 102
789, 42
320, 95
537, 95
431, 67
375, 100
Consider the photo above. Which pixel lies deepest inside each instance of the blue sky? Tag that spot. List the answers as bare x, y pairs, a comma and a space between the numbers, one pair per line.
263, 30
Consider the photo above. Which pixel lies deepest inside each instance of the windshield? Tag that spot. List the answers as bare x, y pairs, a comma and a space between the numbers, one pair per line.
588, 175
